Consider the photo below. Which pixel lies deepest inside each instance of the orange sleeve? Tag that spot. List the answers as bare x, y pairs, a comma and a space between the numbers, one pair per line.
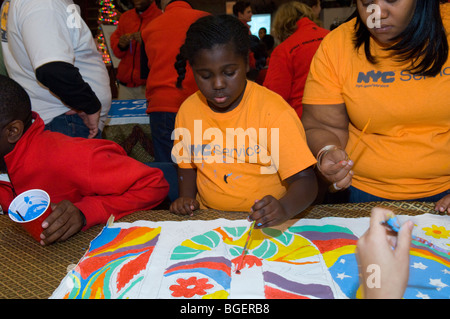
115, 37
324, 85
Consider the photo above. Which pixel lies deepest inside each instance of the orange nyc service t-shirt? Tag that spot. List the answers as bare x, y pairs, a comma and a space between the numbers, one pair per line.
244, 154
405, 152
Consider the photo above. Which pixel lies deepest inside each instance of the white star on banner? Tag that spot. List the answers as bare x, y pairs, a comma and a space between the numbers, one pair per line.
422, 296
419, 266
343, 276
438, 283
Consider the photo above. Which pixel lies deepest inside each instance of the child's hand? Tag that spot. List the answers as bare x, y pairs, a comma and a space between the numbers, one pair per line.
443, 205
268, 212
64, 221
184, 206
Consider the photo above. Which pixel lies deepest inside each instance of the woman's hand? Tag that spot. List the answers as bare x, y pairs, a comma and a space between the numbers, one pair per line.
336, 168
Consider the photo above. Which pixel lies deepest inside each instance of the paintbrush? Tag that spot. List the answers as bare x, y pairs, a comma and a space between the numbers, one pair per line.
245, 250
359, 138
17, 212
393, 224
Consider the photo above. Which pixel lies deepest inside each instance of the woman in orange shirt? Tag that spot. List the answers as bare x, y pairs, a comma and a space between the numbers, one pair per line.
389, 69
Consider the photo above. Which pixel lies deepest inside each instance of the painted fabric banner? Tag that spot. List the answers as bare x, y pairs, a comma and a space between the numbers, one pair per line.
307, 258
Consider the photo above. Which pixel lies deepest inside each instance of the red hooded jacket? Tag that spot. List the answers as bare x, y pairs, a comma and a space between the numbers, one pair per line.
95, 175
128, 71
290, 61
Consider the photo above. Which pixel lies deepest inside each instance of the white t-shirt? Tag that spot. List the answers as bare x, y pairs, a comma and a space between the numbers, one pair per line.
36, 32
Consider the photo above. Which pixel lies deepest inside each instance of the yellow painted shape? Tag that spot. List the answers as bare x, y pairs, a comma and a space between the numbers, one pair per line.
220, 294
300, 248
139, 236
330, 257
189, 243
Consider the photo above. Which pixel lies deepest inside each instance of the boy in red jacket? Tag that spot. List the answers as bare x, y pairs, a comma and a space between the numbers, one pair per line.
88, 180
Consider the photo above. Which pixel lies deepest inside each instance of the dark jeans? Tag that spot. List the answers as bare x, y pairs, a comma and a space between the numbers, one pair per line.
170, 173
354, 195
161, 125
71, 125
358, 196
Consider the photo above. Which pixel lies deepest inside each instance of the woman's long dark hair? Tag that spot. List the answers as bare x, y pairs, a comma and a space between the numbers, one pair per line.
423, 42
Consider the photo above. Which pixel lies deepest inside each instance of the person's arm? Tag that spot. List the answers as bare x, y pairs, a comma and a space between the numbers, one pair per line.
6, 195
301, 192
186, 203
326, 128
114, 184
382, 254
120, 41
65, 81
325, 125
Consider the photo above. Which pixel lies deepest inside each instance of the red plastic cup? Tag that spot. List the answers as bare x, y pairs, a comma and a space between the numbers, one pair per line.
30, 209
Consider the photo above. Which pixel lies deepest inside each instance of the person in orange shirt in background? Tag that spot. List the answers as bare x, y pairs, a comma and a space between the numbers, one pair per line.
299, 37
388, 70
162, 39
126, 45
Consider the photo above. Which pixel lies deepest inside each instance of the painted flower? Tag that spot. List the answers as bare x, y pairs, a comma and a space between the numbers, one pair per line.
249, 260
436, 232
188, 288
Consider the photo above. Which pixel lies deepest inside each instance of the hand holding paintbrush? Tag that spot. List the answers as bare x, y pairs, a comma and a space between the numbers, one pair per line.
339, 164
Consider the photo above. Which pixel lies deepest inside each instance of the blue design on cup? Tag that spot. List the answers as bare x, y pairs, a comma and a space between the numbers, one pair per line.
29, 207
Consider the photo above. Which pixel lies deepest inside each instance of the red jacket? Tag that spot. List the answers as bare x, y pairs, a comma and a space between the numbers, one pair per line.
95, 175
128, 71
290, 61
163, 38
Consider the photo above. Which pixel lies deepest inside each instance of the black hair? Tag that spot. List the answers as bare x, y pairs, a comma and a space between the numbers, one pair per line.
15, 103
240, 6
423, 42
207, 32
269, 41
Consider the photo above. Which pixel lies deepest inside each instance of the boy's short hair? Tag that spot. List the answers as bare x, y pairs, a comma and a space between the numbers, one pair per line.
240, 6
15, 103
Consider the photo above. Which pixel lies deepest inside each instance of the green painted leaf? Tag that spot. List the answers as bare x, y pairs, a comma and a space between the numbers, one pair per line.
284, 237
266, 250
210, 239
235, 231
183, 252
235, 251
